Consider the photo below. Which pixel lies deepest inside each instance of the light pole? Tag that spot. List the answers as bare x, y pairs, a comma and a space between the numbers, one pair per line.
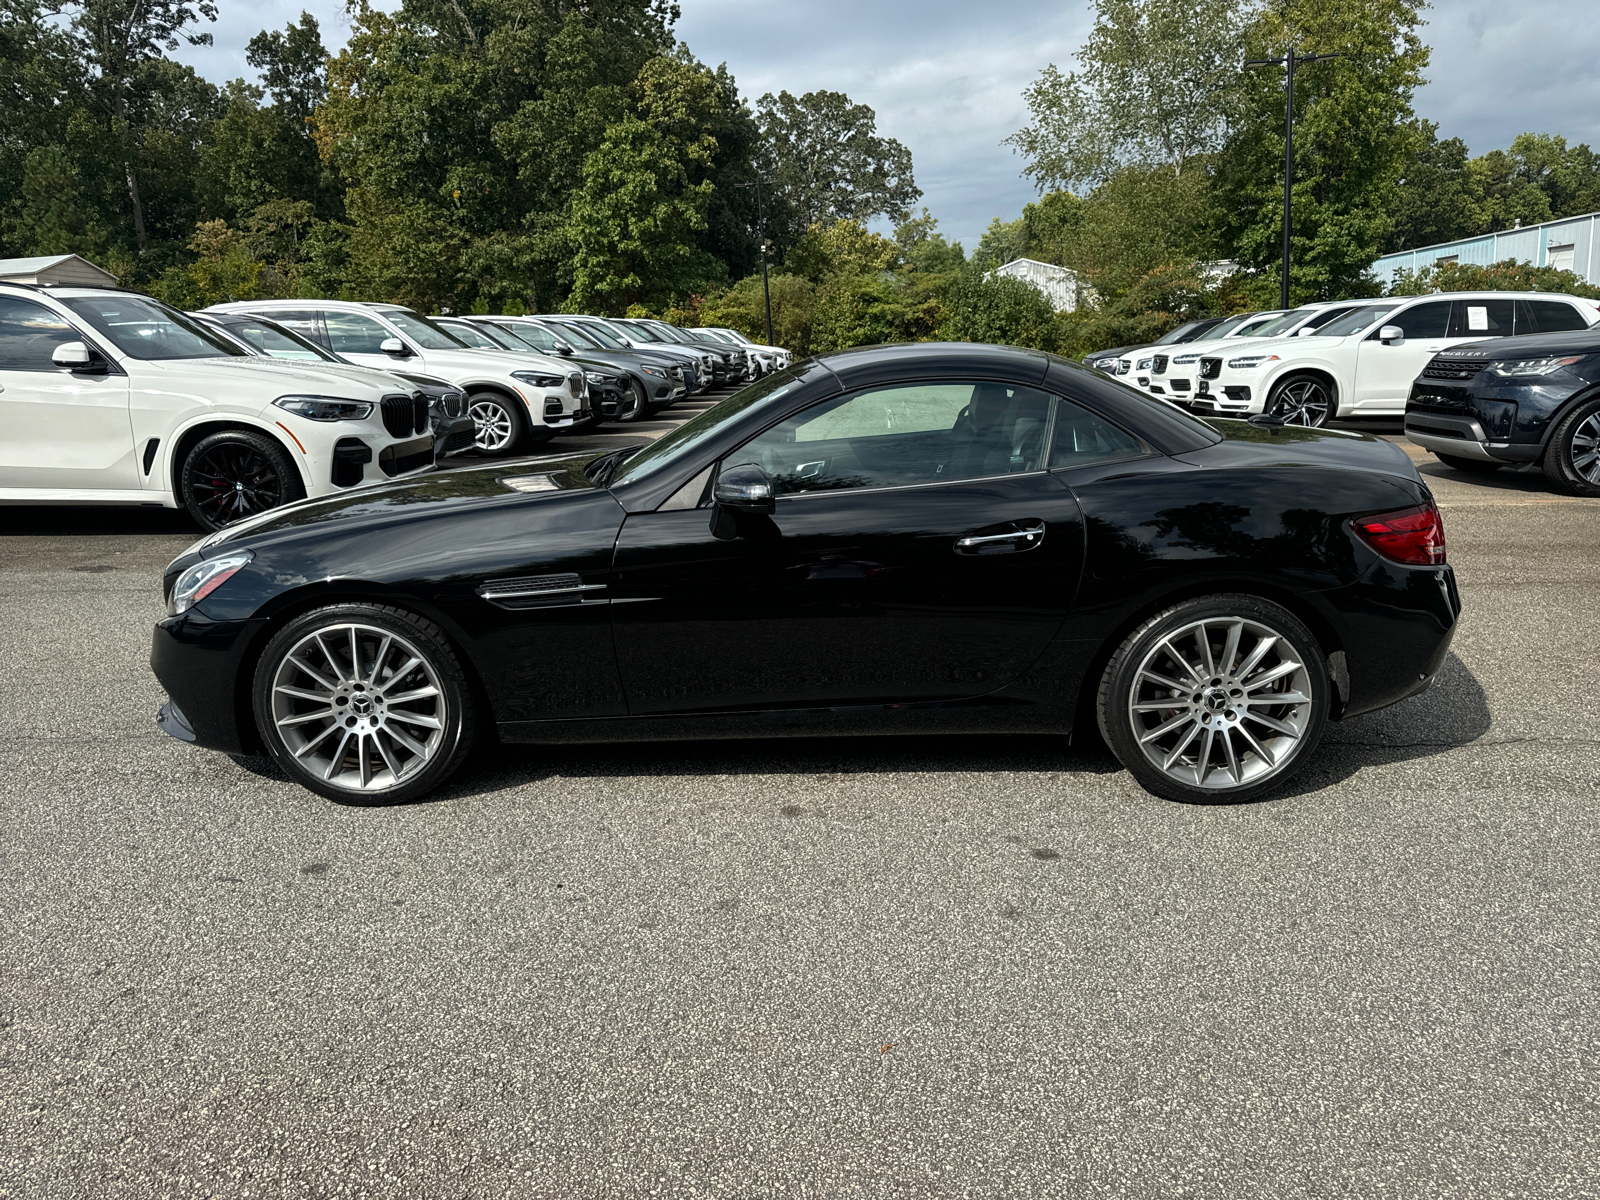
761, 227
1288, 61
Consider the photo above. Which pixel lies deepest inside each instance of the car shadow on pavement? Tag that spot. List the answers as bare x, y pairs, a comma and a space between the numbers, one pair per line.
1453, 712
47, 520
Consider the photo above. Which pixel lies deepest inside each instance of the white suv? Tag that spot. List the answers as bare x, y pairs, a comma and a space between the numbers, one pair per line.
516, 399
1363, 363
114, 398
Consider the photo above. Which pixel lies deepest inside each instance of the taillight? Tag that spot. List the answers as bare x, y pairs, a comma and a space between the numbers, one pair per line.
1414, 536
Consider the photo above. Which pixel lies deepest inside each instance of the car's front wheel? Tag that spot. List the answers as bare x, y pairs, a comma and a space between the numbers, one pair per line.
1216, 700
498, 428
364, 703
1302, 400
234, 474
1572, 458
635, 404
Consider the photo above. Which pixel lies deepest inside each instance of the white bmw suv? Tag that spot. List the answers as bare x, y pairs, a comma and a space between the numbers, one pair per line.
515, 399
112, 397
1363, 363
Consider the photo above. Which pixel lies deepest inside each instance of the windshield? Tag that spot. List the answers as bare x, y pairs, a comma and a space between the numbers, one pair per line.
717, 335
278, 342
644, 332
1256, 321
1278, 325
599, 333
147, 329
526, 335
1356, 321
1228, 326
472, 335
1178, 334
583, 339
670, 447
672, 334
422, 331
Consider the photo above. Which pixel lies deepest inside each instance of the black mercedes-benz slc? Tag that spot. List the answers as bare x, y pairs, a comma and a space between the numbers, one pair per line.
898, 539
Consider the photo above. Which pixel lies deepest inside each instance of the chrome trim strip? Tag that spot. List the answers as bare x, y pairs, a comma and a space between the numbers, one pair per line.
526, 593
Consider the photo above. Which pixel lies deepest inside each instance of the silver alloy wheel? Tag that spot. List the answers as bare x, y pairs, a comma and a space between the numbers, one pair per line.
492, 425
1220, 703
359, 706
1302, 402
1586, 448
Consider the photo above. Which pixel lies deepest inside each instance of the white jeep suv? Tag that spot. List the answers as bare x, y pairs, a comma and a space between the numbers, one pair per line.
111, 397
1363, 363
516, 399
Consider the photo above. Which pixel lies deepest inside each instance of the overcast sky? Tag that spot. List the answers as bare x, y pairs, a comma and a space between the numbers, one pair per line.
946, 78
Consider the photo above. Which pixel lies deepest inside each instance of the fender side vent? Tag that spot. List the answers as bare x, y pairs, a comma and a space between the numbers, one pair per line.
150, 454
535, 591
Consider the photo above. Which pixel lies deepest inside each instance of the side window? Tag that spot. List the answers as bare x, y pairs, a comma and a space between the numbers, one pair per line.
897, 436
1481, 318
353, 333
1425, 320
303, 321
29, 335
1081, 438
1555, 316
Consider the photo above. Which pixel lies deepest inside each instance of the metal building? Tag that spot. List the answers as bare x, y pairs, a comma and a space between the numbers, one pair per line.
55, 269
1568, 244
1061, 286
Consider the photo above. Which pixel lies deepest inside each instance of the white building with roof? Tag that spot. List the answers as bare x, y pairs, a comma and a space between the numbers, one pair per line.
55, 269
1567, 244
1063, 287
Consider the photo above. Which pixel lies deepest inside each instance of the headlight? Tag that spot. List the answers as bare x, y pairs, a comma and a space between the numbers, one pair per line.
1251, 362
1506, 368
200, 580
1186, 360
1144, 363
321, 408
1104, 364
597, 377
656, 371
535, 379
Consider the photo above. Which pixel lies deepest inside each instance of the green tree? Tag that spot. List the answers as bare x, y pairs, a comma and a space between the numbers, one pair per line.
1150, 90
828, 162
1000, 310
1509, 275
1354, 135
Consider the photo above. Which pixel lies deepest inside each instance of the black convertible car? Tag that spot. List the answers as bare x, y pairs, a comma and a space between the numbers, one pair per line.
901, 539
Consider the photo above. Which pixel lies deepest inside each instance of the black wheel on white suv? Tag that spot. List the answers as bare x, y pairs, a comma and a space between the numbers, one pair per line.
364, 703
236, 473
1215, 700
1302, 400
1572, 456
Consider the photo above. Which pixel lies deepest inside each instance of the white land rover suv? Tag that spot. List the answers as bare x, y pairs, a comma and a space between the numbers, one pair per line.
1363, 363
112, 397
516, 399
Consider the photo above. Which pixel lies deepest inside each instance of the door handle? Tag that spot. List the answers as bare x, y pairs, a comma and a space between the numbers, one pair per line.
1022, 535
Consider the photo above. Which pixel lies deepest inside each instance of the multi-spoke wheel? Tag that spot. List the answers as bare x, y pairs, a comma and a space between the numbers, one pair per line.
1572, 456
1302, 400
497, 425
1220, 698
363, 703
234, 474
635, 404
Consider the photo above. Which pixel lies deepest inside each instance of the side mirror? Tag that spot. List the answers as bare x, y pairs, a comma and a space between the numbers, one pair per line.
71, 354
1306, 332
395, 347
744, 488
564, 349
1391, 333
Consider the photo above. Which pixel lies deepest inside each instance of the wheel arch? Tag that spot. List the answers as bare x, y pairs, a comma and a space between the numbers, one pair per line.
185, 438
1315, 370
289, 605
1298, 603
1563, 411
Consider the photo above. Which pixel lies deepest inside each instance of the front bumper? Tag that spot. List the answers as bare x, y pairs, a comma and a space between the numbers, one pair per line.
198, 662
1463, 437
452, 436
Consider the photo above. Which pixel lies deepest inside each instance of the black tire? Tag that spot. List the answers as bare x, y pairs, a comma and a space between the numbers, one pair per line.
236, 473
1251, 757
1572, 456
1303, 400
500, 425
298, 667
635, 404
1472, 466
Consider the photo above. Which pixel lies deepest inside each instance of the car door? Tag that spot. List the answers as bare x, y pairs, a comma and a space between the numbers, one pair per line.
59, 428
919, 551
1385, 370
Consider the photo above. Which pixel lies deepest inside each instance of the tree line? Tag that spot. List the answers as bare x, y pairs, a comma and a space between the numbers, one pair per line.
534, 155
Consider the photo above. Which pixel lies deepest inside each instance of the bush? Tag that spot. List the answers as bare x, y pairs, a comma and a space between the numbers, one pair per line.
742, 307
1001, 310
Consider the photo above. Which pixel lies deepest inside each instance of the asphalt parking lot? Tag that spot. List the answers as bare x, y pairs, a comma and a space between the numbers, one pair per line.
952, 967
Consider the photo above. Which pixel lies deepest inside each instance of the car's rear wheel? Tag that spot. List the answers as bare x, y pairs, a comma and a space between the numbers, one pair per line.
635, 404
1473, 466
1302, 400
498, 427
1572, 458
1216, 700
236, 473
364, 703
